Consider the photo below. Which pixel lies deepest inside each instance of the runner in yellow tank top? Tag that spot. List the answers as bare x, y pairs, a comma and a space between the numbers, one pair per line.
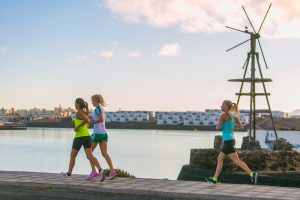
82, 138
83, 130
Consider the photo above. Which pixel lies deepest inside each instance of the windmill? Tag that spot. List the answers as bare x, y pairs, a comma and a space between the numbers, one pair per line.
253, 60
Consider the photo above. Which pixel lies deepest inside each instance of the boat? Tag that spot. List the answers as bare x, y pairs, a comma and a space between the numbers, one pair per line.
12, 126
269, 140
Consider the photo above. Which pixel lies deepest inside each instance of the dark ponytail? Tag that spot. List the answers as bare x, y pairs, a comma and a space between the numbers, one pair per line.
82, 104
86, 106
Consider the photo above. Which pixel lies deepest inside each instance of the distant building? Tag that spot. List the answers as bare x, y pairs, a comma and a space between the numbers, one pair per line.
208, 118
295, 114
22, 113
4, 112
168, 118
128, 116
276, 114
34, 113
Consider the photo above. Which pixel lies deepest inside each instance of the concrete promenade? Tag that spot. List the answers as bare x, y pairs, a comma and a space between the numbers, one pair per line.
30, 185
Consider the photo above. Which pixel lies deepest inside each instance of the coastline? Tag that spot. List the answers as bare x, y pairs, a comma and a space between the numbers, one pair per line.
13, 128
136, 126
263, 124
149, 125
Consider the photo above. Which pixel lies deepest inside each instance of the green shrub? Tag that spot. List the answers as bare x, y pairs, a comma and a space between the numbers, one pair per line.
121, 173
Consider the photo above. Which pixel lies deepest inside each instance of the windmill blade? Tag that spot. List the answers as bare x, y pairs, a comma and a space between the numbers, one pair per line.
263, 55
249, 19
235, 29
238, 45
264, 18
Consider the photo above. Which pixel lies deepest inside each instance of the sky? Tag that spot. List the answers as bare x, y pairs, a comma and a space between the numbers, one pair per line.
143, 54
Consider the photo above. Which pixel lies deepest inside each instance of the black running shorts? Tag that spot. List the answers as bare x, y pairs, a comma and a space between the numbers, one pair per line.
228, 147
82, 141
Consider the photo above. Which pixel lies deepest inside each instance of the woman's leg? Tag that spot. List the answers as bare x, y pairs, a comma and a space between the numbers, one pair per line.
91, 158
73, 155
103, 149
235, 158
94, 145
221, 158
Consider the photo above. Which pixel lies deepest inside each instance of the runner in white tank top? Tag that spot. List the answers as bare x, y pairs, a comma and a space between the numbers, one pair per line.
100, 135
99, 128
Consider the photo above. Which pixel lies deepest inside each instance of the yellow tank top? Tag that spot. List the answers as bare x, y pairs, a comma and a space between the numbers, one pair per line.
82, 131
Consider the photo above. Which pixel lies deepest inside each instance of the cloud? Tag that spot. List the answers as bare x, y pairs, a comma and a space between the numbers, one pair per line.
170, 50
78, 59
193, 16
89, 56
106, 54
3, 49
134, 54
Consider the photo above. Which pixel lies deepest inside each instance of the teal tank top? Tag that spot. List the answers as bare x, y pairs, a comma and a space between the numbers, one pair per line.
228, 128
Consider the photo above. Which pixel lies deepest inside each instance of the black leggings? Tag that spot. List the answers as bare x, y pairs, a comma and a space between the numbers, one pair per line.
82, 141
228, 147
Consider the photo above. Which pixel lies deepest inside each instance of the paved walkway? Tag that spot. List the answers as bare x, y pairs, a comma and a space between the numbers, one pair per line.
46, 185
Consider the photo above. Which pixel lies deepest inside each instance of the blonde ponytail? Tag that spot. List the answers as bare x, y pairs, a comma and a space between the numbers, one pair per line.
233, 107
99, 98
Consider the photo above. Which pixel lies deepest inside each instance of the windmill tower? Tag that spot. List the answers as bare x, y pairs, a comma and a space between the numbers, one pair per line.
253, 60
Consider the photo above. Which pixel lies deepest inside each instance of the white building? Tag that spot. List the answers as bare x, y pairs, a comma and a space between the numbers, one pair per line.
275, 114
295, 114
128, 116
208, 118
169, 118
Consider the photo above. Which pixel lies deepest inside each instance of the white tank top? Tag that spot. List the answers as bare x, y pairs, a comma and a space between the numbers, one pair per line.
99, 128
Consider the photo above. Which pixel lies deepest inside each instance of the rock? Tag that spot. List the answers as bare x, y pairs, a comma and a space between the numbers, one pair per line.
283, 145
255, 159
204, 158
249, 143
218, 142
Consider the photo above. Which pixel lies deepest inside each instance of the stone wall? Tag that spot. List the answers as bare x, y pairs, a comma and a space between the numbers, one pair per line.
258, 160
279, 167
283, 179
283, 158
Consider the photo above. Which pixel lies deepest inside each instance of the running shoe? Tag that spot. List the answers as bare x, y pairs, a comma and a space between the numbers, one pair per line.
65, 174
101, 175
112, 175
211, 180
254, 178
92, 175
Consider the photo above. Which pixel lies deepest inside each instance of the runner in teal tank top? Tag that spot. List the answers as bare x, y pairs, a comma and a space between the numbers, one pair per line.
228, 128
227, 124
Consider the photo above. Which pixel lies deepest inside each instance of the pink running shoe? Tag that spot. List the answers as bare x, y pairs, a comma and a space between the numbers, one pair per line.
92, 175
112, 175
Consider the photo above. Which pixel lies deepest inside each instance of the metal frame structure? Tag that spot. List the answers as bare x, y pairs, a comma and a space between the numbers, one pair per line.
253, 60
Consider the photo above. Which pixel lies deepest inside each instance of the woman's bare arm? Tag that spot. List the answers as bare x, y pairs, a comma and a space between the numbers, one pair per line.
99, 120
239, 124
221, 120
